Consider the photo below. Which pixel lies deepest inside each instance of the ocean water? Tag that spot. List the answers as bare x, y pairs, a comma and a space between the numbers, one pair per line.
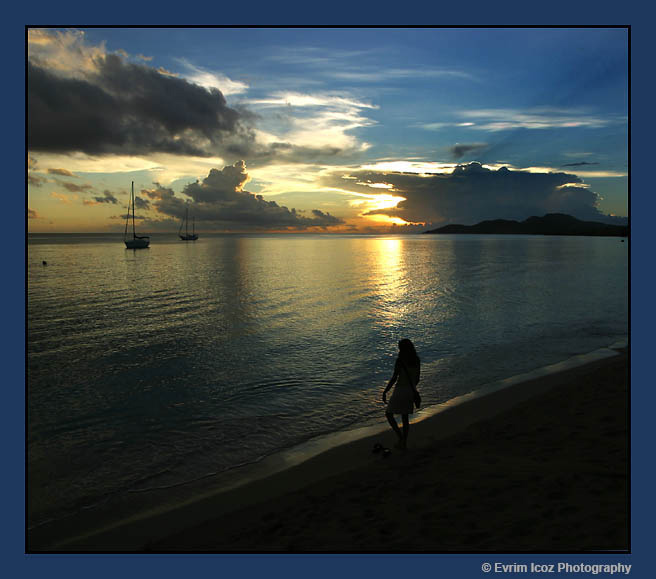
149, 369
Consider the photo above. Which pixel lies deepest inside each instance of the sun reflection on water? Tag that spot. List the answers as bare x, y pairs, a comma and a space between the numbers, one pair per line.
389, 278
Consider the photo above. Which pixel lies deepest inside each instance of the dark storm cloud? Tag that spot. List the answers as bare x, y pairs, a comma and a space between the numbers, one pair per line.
473, 193
220, 202
129, 109
459, 150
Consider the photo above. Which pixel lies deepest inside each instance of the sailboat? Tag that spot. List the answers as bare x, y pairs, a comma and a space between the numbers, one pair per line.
193, 236
137, 241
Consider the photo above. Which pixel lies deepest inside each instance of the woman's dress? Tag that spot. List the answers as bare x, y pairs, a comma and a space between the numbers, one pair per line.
402, 400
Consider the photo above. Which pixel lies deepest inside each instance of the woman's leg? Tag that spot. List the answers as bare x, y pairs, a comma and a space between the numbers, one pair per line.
393, 424
406, 429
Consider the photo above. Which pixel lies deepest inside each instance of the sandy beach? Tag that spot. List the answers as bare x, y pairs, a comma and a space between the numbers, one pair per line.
540, 466
547, 474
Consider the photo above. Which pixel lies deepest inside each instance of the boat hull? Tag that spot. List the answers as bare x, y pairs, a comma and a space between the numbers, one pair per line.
137, 243
193, 237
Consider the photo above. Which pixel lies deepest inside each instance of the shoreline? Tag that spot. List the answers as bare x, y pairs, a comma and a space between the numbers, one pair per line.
186, 527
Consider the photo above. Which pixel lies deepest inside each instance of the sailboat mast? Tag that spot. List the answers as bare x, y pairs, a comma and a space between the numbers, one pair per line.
193, 225
134, 234
127, 220
187, 220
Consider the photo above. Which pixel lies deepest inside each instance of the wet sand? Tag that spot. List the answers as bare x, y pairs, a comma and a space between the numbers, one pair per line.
548, 473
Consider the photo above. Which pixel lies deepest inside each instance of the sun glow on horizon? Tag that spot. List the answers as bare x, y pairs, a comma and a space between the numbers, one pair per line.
388, 220
372, 203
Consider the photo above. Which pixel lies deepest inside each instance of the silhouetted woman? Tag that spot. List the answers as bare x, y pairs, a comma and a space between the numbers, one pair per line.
406, 377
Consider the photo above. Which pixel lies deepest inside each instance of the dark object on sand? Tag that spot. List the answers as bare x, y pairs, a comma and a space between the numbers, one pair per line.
44, 262
380, 448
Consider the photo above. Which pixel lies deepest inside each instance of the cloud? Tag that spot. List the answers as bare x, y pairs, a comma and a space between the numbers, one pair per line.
84, 100
296, 99
325, 218
331, 145
32, 179
128, 216
535, 118
358, 65
473, 193
32, 214
307, 127
409, 166
64, 172
316, 57
442, 125
220, 202
369, 75
581, 172
209, 79
82, 163
35, 180
139, 202
125, 108
65, 52
459, 150
580, 164
219, 185
75, 188
62, 197
107, 197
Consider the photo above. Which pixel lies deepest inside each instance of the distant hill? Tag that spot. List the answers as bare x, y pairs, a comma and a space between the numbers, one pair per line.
550, 224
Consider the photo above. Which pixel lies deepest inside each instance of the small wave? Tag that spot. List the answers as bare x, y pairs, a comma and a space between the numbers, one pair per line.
196, 479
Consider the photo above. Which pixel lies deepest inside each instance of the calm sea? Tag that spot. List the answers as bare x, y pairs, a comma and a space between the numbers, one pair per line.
150, 368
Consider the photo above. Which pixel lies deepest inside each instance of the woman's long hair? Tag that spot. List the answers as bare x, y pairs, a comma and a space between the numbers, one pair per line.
407, 353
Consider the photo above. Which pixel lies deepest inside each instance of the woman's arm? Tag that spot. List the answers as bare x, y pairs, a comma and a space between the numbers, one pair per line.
391, 383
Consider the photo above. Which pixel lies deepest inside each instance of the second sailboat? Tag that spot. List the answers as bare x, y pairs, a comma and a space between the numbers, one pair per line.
193, 236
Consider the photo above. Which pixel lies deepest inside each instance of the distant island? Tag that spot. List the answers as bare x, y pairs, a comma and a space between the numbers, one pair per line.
550, 224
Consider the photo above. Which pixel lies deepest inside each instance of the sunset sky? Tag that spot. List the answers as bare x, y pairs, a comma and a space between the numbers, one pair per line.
320, 130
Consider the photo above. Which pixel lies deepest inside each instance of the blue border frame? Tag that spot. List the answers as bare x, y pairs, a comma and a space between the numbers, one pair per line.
16, 564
